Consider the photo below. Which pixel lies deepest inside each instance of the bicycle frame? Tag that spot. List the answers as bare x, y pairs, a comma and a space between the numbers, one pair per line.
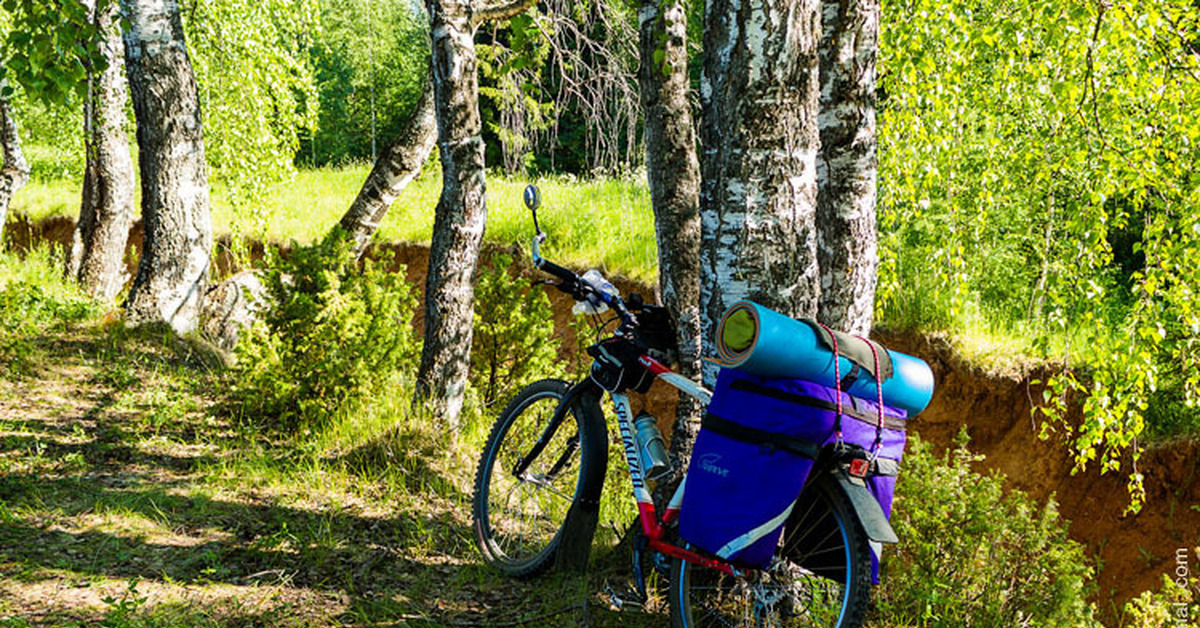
652, 526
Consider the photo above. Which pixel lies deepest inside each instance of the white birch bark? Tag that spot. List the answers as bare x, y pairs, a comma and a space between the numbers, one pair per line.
673, 170
173, 270
15, 172
97, 253
462, 207
846, 169
395, 168
758, 199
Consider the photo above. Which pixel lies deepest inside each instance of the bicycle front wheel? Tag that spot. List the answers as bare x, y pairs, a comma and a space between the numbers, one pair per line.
823, 578
519, 513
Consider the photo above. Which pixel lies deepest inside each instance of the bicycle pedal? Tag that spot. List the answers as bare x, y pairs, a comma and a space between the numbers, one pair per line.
620, 599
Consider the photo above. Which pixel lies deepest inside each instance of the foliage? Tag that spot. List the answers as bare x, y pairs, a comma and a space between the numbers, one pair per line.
59, 152
972, 555
558, 88
514, 340
1037, 164
49, 47
370, 61
511, 67
1171, 607
330, 336
256, 90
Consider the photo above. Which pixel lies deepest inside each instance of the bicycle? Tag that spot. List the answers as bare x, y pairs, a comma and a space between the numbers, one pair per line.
546, 457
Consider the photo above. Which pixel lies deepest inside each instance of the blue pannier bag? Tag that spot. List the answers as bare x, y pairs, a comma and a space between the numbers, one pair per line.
757, 445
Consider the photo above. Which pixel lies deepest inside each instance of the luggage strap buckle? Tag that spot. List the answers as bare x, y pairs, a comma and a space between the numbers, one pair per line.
860, 467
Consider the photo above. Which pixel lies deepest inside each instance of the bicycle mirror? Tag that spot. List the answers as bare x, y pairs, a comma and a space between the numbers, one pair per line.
533, 200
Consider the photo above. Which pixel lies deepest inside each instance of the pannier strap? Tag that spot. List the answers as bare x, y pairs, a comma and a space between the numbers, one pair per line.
855, 349
885, 466
889, 422
753, 436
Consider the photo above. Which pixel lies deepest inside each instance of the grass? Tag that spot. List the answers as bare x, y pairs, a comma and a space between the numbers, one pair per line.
605, 222
131, 496
201, 520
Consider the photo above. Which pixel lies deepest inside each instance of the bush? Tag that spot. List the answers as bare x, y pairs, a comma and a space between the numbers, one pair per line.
514, 341
329, 336
1170, 607
971, 554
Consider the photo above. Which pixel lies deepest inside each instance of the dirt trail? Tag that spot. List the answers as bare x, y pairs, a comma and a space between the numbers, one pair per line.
1133, 552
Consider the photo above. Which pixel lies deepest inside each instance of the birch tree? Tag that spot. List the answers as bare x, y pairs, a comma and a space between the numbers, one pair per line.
846, 166
173, 270
674, 173
96, 259
758, 198
462, 208
15, 172
396, 166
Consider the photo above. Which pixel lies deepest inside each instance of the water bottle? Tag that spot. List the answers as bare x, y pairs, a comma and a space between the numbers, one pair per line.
653, 452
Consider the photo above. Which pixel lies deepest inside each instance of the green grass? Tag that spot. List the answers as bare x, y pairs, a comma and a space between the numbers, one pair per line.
605, 222
132, 491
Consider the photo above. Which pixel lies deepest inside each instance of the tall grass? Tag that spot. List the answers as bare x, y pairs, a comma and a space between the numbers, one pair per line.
604, 222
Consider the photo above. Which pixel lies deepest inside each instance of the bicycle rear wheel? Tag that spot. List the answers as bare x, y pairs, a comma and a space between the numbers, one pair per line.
822, 580
519, 517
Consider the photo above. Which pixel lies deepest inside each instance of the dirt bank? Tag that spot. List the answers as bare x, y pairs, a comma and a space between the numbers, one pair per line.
1132, 552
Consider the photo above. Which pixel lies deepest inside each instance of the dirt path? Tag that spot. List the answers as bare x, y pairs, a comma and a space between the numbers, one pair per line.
123, 494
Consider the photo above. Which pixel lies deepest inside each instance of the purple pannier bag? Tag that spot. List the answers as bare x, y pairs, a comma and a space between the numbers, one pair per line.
753, 455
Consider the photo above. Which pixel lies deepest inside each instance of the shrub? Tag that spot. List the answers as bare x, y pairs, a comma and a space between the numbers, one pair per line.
971, 554
330, 335
514, 341
1170, 607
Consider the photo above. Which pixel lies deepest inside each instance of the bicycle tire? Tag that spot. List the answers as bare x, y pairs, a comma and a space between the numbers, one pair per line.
518, 521
813, 585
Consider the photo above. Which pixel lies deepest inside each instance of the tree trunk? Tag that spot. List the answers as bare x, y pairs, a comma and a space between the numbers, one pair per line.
15, 172
173, 270
759, 193
674, 175
460, 216
846, 168
399, 164
106, 211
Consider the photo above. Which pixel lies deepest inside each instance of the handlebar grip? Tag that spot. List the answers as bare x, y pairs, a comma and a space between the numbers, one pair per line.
557, 271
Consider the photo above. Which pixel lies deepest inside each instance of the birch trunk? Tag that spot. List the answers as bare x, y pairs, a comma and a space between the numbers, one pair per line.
398, 165
173, 270
759, 194
846, 169
674, 175
15, 172
459, 218
106, 211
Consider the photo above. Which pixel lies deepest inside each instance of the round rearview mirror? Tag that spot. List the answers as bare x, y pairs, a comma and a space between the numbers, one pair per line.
533, 198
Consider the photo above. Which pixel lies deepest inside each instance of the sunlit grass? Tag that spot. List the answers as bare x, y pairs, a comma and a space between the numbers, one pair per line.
605, 222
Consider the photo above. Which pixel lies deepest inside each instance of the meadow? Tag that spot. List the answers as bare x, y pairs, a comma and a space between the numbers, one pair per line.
606, 222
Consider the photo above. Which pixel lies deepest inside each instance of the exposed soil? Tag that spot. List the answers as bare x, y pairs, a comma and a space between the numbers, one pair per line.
1132, 552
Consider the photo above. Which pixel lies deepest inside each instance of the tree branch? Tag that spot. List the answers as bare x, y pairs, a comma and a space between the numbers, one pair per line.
499, 11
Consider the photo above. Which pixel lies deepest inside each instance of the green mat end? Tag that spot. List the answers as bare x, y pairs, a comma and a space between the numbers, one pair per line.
739, 331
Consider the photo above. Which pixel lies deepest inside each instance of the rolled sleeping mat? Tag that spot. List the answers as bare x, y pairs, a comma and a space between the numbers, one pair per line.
758, 340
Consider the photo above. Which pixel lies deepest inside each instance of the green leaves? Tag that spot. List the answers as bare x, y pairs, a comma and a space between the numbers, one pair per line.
1030, 154
50, 47
257, 91
330, 336
975, 555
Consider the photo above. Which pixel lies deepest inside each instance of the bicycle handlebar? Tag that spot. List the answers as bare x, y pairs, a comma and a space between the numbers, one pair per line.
575, 286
